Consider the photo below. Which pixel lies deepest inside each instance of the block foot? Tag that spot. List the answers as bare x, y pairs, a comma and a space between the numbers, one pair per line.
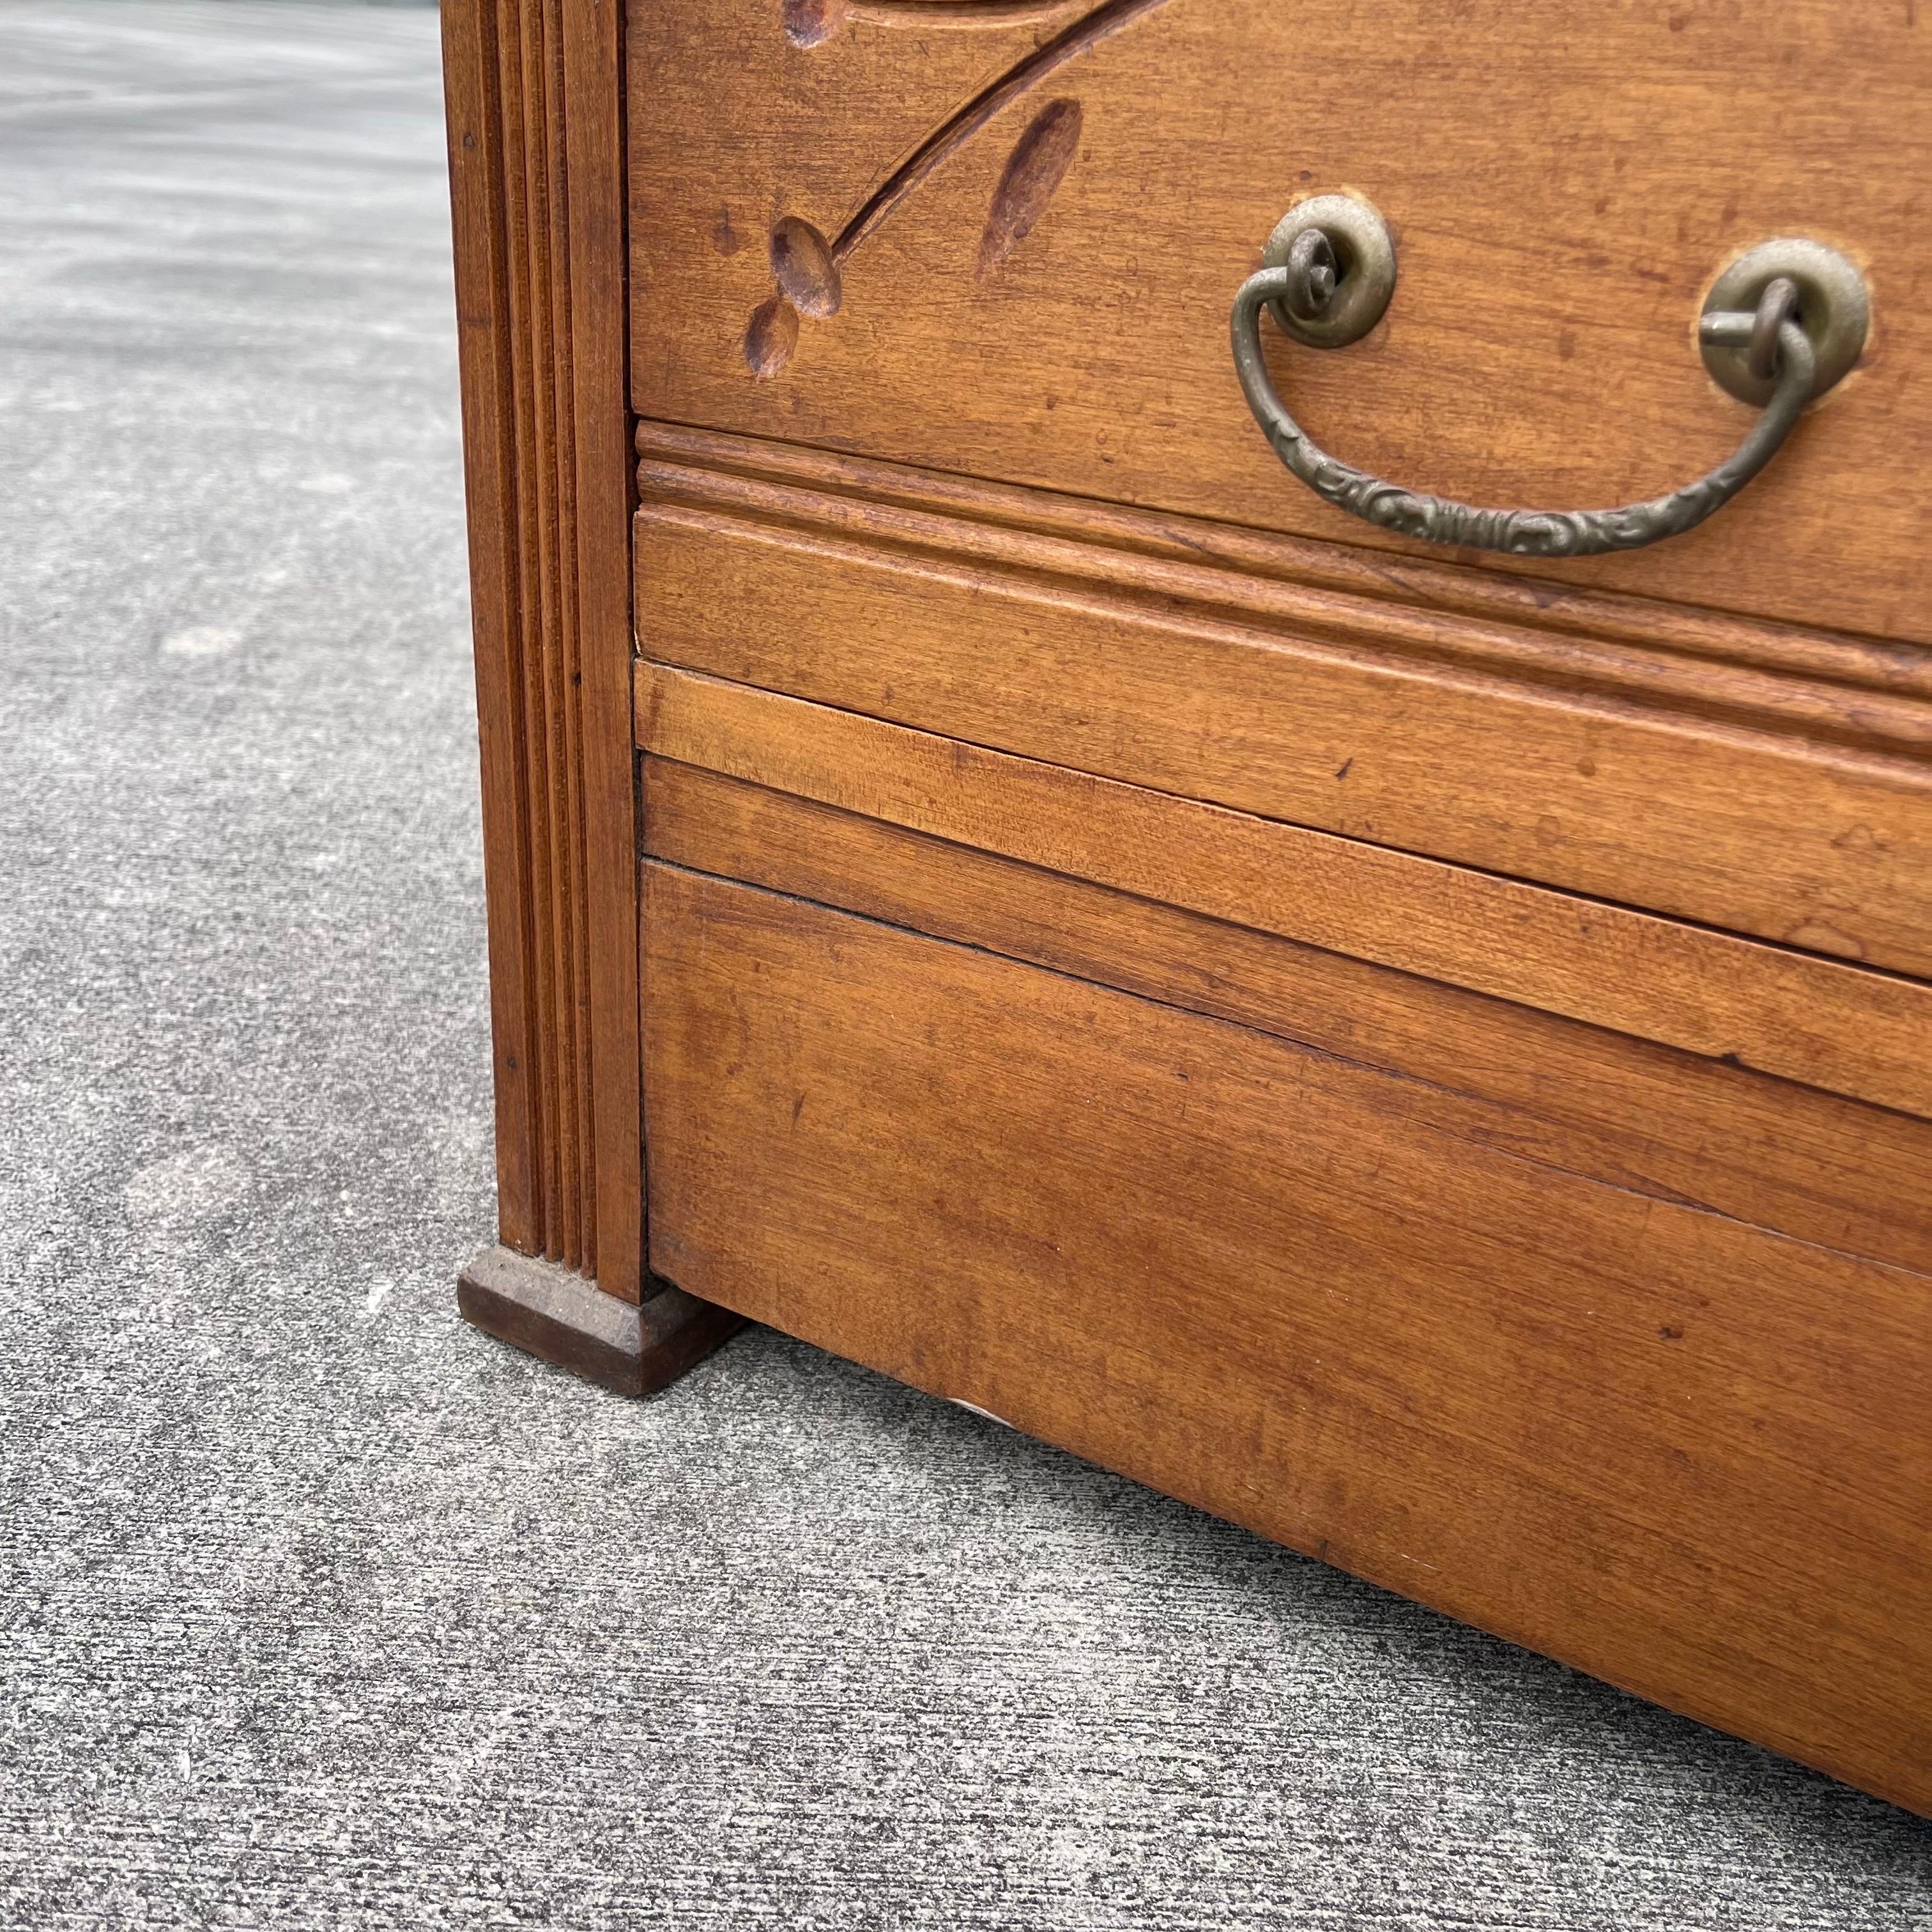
562, 1316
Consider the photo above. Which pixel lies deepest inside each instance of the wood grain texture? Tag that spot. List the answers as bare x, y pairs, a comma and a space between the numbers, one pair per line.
1643, 648
1682, 1454
1561, 188
1782, 802
1693, 1132
600, 321
537, 168
1844, 1028
484, 328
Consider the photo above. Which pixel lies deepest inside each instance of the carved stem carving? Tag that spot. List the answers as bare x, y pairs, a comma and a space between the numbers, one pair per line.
807, 267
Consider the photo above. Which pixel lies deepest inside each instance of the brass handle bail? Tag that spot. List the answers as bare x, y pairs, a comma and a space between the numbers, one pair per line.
1780, 326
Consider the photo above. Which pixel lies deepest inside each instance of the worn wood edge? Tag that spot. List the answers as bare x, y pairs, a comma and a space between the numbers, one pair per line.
598, 230
1677, 1130
535, 144
563, 1317
477, 214
1865, 691
1851, 1030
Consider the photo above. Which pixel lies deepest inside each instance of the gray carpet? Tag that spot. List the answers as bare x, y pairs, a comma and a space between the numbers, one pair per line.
321, 1610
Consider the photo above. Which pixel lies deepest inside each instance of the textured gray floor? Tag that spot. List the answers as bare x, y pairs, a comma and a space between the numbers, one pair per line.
320, 1610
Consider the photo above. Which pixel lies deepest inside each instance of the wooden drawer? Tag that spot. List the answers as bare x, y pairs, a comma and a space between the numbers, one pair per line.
1010, 238
1450, 1341
1041, 213
1563, 1267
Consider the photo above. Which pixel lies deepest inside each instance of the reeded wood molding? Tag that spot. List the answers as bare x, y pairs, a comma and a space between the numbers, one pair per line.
536, 145
1669, 660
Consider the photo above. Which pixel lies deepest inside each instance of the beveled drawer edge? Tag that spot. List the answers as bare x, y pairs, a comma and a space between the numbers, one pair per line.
1850, 1029
1670, 657
1812, 1166
1774, 834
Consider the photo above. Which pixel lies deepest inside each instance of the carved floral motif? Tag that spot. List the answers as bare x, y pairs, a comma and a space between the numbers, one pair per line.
807, 264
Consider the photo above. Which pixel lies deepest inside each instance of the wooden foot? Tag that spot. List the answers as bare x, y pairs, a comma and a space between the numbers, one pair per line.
565, 1318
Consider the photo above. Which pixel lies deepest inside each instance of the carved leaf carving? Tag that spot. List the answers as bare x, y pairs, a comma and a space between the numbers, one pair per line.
771, 336
807, 265
1034, 170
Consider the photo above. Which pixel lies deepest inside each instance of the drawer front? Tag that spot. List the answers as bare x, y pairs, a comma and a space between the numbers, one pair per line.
1496, 1370
1829, 1025
1011, 236
1426, 1055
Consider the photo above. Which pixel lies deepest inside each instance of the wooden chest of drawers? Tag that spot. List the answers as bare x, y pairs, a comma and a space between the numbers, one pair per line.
1405, 1025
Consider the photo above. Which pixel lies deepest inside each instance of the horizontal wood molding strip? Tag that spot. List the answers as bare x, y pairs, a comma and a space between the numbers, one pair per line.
1845, 1029
1684, 1454
1659, 681
1671, 654
1819, 845
1672, 1125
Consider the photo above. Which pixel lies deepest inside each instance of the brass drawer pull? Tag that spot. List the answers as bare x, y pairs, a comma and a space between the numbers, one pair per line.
1780, 326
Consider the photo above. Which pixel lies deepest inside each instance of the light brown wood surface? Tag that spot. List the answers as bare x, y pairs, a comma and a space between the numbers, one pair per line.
1428, 1057
1680, 1452
1694, 1132
1860, 691
1562, 185
1843, 1027
1796, 809
536, 170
